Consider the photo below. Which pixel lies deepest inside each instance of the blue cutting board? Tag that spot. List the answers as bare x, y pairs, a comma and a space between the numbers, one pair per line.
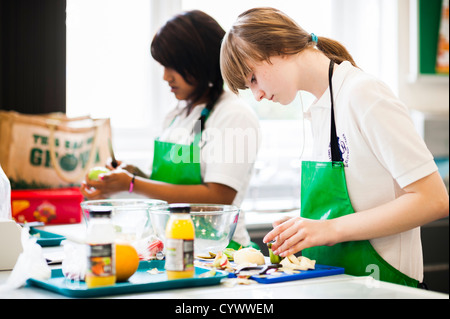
45, 238
141, 281
318, 271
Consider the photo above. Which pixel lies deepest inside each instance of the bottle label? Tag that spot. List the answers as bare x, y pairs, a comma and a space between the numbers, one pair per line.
100, 260
180, 255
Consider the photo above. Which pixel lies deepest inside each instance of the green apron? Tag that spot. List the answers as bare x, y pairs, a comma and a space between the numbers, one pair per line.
176, 163
324, 195
180, 164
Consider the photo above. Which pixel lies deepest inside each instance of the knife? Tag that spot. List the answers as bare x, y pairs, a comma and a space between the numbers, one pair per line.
111, 152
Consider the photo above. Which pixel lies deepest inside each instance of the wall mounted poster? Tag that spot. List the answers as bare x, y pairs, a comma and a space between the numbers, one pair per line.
442, 59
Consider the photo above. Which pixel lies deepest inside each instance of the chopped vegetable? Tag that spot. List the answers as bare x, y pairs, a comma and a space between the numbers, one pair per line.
221, 261
274, 259
231, 282
205, 257
306, 262
293, 259
291, 263
212, 255
229, 252
210, 273
154, 271
249, 255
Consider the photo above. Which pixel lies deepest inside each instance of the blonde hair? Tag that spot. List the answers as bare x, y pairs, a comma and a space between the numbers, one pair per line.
261, 33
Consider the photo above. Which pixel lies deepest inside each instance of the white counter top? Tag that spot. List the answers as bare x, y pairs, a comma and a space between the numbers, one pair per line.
338, 286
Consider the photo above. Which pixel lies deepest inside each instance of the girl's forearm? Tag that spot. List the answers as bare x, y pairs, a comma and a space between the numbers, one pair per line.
424, 201
202, 193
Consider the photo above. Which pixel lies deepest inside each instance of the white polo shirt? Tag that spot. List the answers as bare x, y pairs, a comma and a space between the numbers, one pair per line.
230, 143
382, 153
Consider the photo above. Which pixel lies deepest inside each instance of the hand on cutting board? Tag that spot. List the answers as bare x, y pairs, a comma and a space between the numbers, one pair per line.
294, 234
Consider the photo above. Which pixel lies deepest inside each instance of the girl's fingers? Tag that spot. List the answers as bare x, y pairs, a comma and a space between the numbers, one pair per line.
89, 192
282, 232
290, 245
276, 230
280, 221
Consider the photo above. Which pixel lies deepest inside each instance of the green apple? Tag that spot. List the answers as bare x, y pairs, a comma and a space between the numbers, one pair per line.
96, 171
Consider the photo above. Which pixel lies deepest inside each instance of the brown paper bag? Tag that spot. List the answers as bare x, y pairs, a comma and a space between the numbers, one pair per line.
51, 150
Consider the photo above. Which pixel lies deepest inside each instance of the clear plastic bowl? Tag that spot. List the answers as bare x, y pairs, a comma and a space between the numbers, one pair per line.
214, 225
130, 217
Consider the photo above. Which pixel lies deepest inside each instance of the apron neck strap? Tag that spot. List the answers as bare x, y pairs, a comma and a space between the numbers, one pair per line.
336, 155
200, 124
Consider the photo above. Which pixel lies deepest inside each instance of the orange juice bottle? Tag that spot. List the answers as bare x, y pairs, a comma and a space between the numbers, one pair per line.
101, 258
179, 243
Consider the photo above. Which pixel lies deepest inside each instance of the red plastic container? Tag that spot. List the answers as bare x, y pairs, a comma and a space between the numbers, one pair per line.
50, 206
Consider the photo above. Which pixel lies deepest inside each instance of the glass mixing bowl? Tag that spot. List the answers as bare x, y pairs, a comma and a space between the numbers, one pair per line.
130, 217
214, 225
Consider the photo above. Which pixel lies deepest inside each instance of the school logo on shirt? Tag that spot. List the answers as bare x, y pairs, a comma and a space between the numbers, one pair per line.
343, 146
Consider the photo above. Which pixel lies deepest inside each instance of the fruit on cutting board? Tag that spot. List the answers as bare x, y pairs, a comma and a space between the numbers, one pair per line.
274, 259
248, 255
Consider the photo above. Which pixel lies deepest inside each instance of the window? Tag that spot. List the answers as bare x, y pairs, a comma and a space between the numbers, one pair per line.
110, 71
108, 61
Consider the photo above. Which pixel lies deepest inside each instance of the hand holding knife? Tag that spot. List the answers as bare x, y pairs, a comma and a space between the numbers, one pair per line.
111, 152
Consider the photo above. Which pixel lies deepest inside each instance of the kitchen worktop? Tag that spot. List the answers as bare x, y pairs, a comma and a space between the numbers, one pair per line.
337, 286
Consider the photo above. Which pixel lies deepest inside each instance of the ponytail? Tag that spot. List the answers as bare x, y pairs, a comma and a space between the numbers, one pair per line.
334, 50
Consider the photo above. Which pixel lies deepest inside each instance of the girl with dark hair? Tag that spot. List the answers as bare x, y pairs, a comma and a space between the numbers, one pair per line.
206, 151
190, 45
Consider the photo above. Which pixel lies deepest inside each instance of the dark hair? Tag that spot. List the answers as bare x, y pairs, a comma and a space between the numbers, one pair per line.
189, 43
